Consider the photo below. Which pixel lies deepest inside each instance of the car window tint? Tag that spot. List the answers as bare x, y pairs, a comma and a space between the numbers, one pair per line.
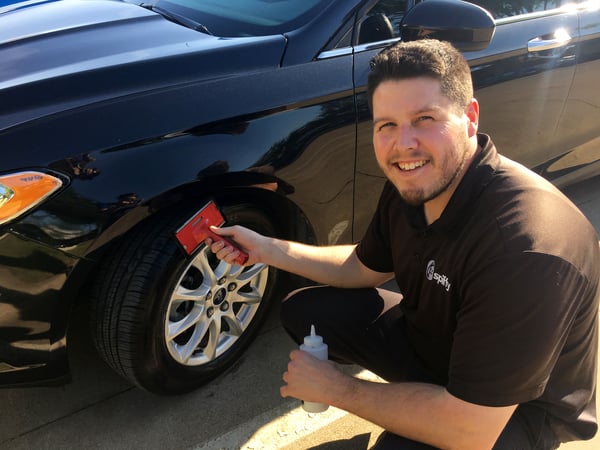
382, 22
508, 8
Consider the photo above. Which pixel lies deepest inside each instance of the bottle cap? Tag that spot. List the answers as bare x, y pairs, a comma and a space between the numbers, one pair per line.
313, 340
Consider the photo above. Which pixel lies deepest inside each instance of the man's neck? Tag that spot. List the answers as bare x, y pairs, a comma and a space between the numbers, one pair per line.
434, 208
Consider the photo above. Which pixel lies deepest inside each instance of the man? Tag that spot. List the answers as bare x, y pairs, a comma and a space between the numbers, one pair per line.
492, 342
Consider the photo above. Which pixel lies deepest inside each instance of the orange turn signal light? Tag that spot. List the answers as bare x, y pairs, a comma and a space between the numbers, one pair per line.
19, 192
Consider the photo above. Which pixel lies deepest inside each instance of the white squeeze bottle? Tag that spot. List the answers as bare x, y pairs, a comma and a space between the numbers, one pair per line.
314, 345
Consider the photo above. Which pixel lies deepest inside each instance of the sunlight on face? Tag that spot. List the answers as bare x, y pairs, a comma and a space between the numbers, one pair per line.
422, 140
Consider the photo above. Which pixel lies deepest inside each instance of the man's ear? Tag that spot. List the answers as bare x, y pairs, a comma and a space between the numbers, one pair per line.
472, 113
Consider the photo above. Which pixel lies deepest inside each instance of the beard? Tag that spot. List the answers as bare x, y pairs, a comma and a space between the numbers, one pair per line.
451, 171
419, 196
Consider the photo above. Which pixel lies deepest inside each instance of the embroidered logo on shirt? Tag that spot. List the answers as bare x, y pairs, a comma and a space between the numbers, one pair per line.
432, 275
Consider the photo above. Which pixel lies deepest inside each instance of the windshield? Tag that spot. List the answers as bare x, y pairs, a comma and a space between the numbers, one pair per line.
236, 18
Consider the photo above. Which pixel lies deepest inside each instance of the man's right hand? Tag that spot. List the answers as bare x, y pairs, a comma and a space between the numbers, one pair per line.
247, 240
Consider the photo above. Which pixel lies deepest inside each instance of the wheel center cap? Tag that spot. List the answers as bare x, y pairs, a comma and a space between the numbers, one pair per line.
219, 296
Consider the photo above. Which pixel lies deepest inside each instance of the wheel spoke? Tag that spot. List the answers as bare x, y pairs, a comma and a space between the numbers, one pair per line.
190, 319
201, 262
223, 269
182, 294
236, 328
251, 297
251, 272
186, 350
214, 333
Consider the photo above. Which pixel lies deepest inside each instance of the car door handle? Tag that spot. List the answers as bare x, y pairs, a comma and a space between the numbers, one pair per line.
559, 38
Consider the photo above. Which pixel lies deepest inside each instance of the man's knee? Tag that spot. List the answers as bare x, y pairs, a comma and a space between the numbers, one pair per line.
298, 300
297, 310
329, 309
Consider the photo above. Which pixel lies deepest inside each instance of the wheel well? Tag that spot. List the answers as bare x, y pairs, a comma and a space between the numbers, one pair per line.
287, 218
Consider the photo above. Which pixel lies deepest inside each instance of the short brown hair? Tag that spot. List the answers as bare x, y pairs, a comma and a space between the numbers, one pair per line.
424, 58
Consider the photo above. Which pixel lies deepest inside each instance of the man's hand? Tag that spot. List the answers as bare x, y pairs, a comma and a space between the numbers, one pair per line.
311, 379
247, 240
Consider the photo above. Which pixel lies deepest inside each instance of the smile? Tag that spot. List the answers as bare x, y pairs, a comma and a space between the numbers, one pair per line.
411, 165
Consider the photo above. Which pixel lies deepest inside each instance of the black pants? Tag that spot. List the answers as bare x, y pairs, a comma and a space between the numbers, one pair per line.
365, 327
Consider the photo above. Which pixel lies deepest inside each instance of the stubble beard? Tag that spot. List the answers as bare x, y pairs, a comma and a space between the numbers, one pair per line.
420, 196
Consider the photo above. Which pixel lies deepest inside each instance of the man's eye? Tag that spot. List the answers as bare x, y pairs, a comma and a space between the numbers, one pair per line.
424, 118
385, 125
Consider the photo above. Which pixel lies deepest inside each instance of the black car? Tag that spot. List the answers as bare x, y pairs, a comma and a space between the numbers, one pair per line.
120, 120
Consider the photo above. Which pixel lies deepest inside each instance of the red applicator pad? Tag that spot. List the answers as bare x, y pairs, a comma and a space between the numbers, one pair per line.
193, 233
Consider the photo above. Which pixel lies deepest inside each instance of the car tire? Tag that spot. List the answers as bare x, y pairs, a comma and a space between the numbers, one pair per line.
169, 322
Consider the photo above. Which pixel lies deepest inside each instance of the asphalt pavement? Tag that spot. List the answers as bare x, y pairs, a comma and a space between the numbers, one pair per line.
241, 409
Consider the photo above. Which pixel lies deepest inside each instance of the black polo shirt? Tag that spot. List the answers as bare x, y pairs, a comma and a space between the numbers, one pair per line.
501, 292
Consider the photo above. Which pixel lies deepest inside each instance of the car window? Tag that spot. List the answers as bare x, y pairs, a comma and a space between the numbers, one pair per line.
507, 8
382, 22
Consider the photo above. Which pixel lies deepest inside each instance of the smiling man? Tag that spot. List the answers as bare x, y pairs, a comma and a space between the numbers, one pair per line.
492, 340
424, 147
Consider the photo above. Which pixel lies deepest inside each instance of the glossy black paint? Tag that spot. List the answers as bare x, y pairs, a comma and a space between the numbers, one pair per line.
140, 116
421, 23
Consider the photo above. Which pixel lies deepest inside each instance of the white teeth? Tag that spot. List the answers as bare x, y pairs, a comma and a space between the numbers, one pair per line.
412, 165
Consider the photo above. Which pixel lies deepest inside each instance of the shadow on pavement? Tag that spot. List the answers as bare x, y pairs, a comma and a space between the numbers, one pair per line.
359, 441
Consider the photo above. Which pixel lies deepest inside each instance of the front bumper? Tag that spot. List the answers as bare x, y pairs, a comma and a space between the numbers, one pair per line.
34, 308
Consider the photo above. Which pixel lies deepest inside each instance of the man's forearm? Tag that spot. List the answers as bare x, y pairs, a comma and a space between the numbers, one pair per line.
333, 265
422, 412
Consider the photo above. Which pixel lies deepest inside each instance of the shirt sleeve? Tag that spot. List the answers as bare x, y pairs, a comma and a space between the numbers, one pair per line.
512, 327
374, 250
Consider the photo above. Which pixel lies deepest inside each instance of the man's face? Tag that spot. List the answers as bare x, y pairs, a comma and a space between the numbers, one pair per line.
422, 141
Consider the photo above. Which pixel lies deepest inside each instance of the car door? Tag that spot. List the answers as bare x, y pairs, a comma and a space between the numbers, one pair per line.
578, 132
522, 79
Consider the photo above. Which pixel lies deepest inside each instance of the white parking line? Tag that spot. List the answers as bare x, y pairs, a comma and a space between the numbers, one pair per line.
274, 429
277, 427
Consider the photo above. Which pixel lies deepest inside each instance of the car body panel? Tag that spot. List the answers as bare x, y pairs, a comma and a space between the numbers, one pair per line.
33, 342
522, 94
579, 126
40, 59
10, 5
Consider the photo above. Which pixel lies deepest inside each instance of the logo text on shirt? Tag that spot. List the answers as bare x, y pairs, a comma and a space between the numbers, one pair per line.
432, 275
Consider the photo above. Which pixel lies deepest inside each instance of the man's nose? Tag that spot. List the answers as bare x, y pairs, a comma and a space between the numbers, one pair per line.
406, 138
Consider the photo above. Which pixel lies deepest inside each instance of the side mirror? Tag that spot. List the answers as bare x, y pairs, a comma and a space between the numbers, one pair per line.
467, 26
